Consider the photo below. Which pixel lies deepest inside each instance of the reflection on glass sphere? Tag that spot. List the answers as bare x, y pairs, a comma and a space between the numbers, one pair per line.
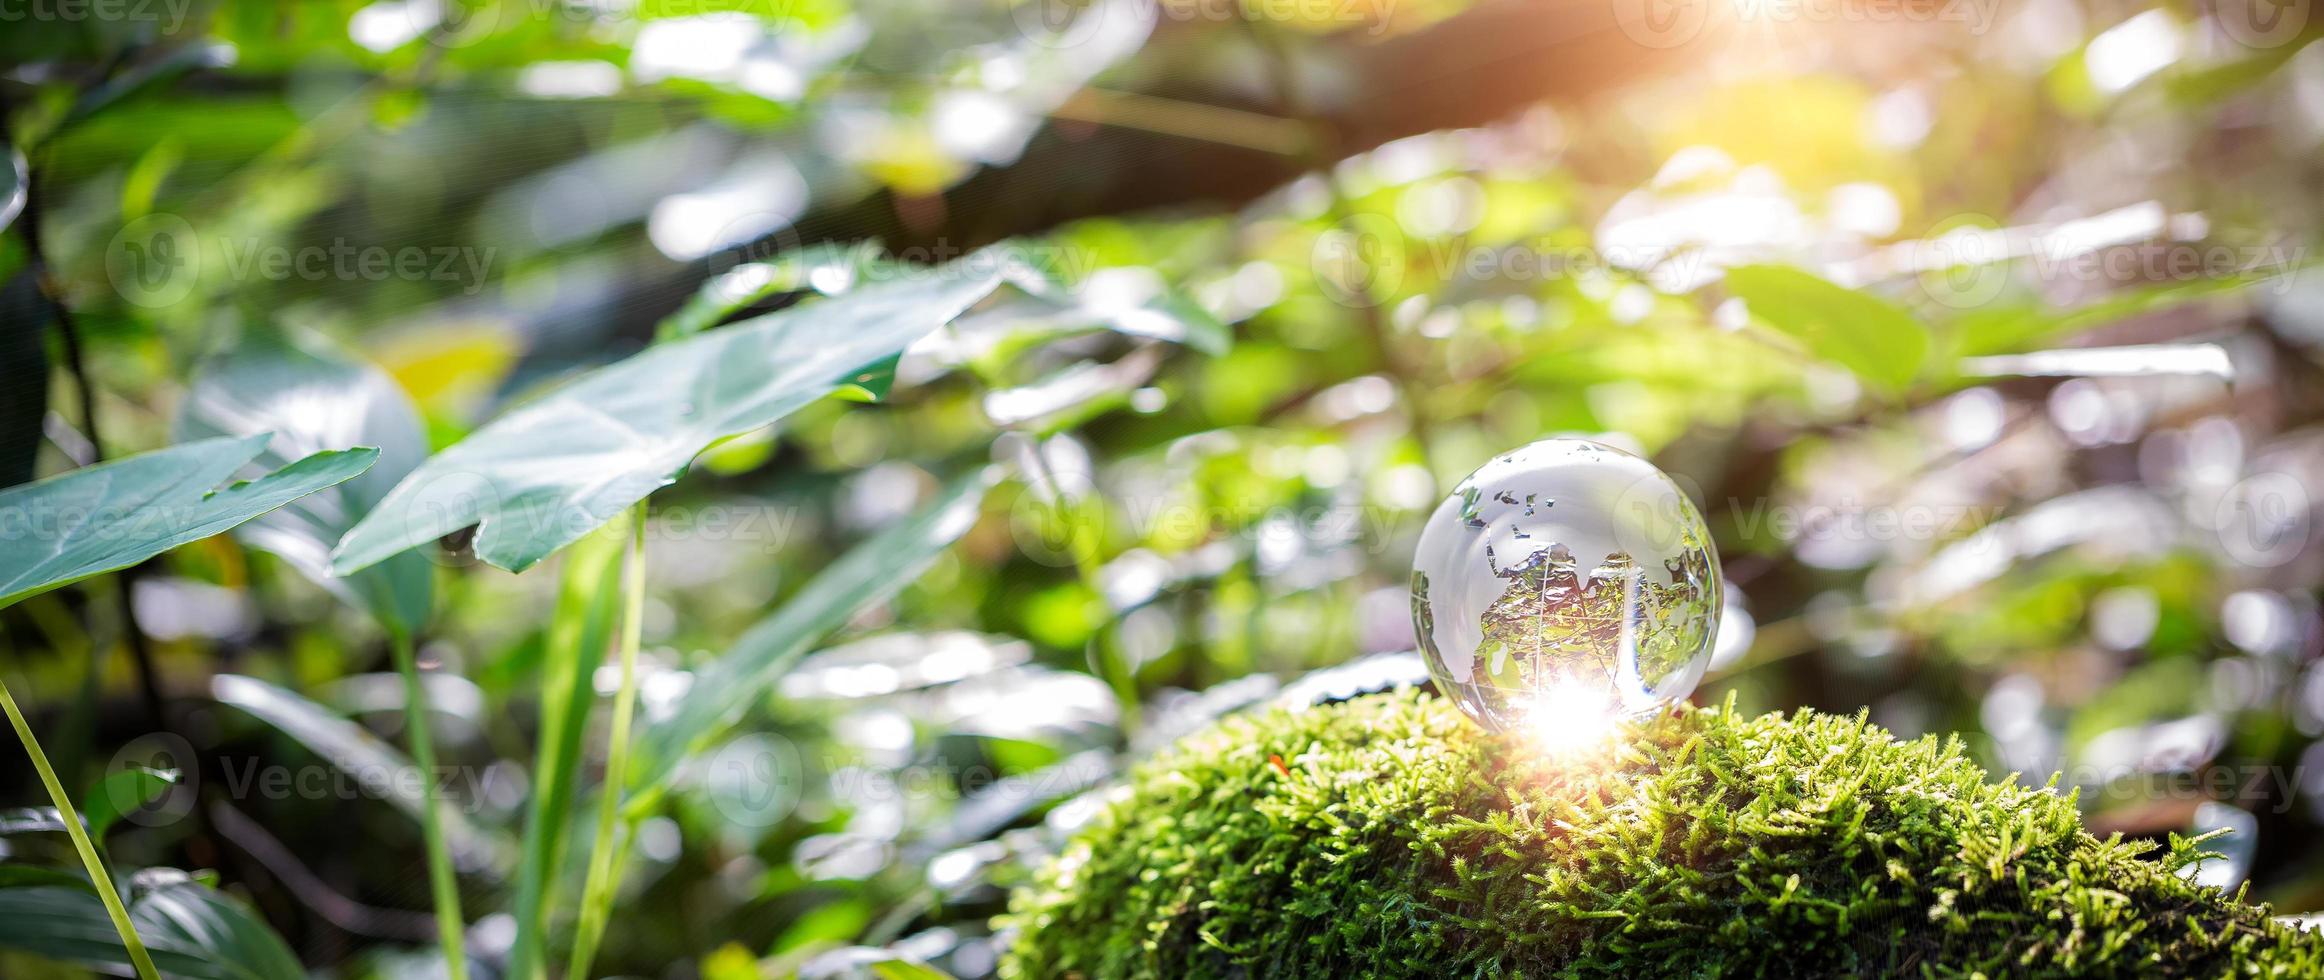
1562, 586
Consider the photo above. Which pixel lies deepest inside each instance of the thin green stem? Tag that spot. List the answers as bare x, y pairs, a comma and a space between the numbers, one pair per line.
578, 636
451, 926
598, 889
81, 842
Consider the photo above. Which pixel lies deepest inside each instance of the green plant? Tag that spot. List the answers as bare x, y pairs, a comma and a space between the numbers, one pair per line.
1387, 836
597, 890
90, 861
538, 478
555, 471
190, 929
312, 397
106, 517
578, 631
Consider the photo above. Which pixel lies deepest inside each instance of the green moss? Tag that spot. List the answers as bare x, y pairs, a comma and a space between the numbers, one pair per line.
1387, 837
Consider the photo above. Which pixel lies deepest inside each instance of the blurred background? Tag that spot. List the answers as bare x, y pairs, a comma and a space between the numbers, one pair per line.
2009, 431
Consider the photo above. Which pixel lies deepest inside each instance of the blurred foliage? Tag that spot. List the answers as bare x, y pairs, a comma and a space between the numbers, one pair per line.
2005, 421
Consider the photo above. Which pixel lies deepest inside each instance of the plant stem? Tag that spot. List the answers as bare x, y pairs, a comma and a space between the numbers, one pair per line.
451, 926
578, 635
81, 842
597, 891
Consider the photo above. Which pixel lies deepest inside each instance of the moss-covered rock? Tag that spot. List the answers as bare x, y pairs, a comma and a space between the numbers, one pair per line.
1388, 837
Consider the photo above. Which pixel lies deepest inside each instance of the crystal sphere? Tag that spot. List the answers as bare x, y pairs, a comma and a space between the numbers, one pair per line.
1564, 585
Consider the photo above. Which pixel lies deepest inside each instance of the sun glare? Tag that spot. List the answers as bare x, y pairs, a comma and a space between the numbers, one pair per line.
1571, 717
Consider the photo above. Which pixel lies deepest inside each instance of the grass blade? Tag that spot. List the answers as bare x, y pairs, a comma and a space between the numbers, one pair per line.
577, 638
597, 890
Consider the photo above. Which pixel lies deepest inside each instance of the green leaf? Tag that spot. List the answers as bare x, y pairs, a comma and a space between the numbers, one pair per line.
15, 184
121, 793
1166, 315
900, 968
540, 477
377, 766
116, 514
26, 875
1878, 340
1127, 301
587, 599
1191, 324
739, 288
193, 932
31, 820
873, 383
314, 398
871, 572
2209, 82
2015, 327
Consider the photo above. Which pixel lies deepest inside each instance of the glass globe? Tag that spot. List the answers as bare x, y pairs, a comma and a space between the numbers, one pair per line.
1563, 586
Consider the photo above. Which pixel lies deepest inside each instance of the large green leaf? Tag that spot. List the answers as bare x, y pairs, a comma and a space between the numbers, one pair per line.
313, 398
193, 931
540, 477
870, 572
376, 765
1120, 300
825, 268
1132, 301
113, 515
1878, 340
